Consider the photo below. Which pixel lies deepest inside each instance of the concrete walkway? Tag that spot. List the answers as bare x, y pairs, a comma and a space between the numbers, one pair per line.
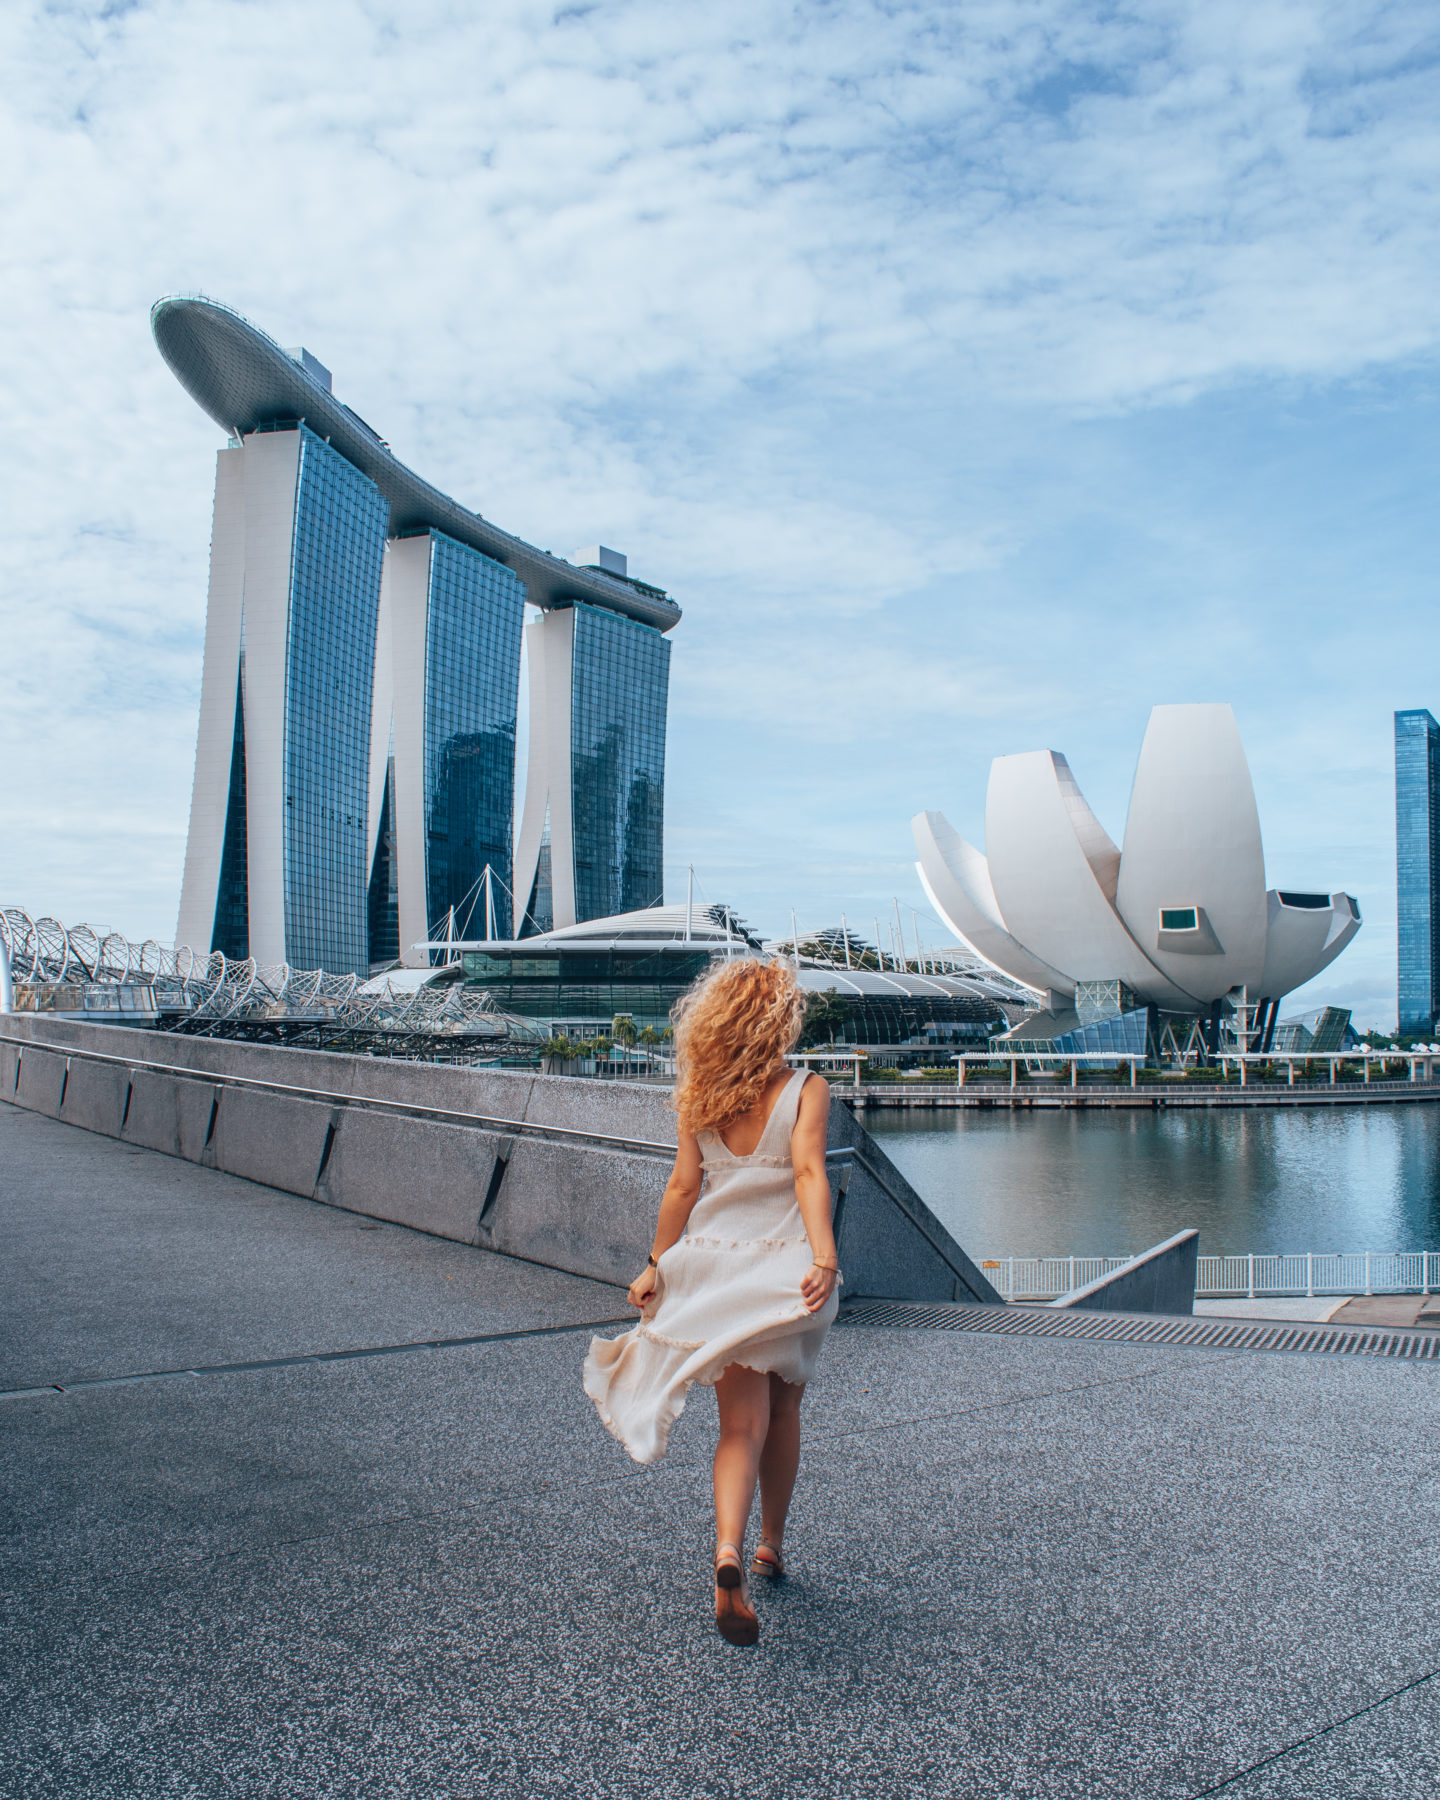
1399, 1312
1022, 1567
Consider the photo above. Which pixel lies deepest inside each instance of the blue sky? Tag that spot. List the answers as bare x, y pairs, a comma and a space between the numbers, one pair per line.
975, 376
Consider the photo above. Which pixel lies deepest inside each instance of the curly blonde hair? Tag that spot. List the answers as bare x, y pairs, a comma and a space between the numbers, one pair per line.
732, 1029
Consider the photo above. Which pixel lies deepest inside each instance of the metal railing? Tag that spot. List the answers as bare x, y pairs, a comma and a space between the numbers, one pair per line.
1046, 1277
79, 972
1305, 1274
1319, 1272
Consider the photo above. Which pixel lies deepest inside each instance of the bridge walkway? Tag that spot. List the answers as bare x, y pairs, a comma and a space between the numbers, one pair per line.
1022, 1565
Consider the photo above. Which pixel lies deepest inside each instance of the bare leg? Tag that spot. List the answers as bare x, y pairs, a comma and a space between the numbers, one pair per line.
780, 1458
744, 1401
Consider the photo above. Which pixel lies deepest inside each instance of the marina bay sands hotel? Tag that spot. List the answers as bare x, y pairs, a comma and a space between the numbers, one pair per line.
355, 766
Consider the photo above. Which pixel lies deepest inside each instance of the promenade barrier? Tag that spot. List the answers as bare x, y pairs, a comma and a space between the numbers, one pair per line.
1303, 1274
556, 1170
1039, 1094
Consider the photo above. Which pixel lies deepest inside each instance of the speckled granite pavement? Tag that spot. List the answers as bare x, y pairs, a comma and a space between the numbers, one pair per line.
1022, 1567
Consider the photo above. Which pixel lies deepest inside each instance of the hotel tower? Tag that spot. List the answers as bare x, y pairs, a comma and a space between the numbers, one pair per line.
355, 762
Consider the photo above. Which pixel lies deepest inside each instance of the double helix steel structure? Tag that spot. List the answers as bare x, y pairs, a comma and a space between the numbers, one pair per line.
80, 972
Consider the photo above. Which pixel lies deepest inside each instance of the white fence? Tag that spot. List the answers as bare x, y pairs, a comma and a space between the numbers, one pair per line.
1217, 1277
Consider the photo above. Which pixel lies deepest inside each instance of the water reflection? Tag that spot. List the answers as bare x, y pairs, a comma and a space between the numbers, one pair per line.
1109, 1183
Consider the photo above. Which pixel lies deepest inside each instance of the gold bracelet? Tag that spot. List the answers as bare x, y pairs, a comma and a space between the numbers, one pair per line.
834, 1268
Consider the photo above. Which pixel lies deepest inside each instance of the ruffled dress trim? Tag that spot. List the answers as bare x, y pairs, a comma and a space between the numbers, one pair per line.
647, 1438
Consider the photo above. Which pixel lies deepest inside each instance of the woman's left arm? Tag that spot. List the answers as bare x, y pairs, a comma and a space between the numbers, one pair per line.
812, 1190
681, 1192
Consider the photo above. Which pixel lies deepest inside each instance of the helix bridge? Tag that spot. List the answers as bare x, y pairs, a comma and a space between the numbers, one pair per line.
79, 972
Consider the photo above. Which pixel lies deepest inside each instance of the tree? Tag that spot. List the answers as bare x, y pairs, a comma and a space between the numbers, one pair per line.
622, 1030
826, 1015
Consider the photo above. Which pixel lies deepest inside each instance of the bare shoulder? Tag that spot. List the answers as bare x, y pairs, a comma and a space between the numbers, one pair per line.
687, 1152
814, 1098
812, 1124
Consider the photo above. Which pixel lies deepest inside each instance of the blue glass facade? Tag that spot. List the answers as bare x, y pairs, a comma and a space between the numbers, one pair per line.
621, 678
472, 674
1417, 870
1130, 1034
540, 913
384, 881
336, 558
232, 902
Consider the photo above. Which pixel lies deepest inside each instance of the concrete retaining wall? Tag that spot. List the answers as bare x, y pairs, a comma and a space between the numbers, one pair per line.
497, 1171
1162, 1280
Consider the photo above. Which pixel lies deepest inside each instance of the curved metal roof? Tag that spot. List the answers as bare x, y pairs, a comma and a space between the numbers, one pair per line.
870, 984
243, 379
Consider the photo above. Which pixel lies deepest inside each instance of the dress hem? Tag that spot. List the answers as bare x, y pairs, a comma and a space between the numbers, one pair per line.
667, 1417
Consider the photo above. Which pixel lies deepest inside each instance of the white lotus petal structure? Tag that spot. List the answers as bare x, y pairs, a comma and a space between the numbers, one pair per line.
1179, 916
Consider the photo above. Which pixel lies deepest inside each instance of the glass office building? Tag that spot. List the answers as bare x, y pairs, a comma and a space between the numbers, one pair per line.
338, 545
472, 674
295, 582
592, 839
621, 685
1417, 870
445, 701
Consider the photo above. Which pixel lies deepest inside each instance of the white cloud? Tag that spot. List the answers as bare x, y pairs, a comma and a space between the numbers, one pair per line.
799, 304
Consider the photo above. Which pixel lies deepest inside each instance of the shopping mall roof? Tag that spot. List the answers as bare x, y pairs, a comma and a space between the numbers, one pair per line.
896, 984
674, 930
681, 931
243, 380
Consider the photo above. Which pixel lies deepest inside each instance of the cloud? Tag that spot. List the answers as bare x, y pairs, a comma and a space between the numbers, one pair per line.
833, 315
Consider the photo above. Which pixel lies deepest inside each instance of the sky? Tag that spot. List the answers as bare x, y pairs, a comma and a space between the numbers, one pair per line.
975, 377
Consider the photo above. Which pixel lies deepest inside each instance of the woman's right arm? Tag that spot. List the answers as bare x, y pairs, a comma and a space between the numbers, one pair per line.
682, 1190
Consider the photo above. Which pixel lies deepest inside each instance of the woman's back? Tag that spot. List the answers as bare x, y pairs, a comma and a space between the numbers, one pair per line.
741, 1137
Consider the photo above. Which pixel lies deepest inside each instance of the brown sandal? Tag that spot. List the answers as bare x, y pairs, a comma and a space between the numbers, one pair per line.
734, 1617
767, 1561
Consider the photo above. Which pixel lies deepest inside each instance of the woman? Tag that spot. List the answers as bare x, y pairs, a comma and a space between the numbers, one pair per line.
740, 1286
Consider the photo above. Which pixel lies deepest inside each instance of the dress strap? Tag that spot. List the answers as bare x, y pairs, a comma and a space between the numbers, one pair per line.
785, 1111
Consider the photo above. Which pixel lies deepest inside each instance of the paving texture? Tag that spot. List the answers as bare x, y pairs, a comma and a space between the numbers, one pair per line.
1407, 1310
1022, 1567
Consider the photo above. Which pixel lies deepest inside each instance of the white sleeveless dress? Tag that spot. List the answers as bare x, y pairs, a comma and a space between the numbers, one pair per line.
727, 1292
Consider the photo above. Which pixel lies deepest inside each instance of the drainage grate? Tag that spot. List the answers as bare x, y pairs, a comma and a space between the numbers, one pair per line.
1137, 1328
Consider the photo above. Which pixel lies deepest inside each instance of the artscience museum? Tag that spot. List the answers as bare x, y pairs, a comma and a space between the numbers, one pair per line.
1168, 944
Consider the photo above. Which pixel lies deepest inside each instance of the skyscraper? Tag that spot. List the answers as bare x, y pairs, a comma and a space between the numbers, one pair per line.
275, 865
1417, 870
592, 836
442, 736
355, 762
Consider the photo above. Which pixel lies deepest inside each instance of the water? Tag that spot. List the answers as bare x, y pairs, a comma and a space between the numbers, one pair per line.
1107, 1183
